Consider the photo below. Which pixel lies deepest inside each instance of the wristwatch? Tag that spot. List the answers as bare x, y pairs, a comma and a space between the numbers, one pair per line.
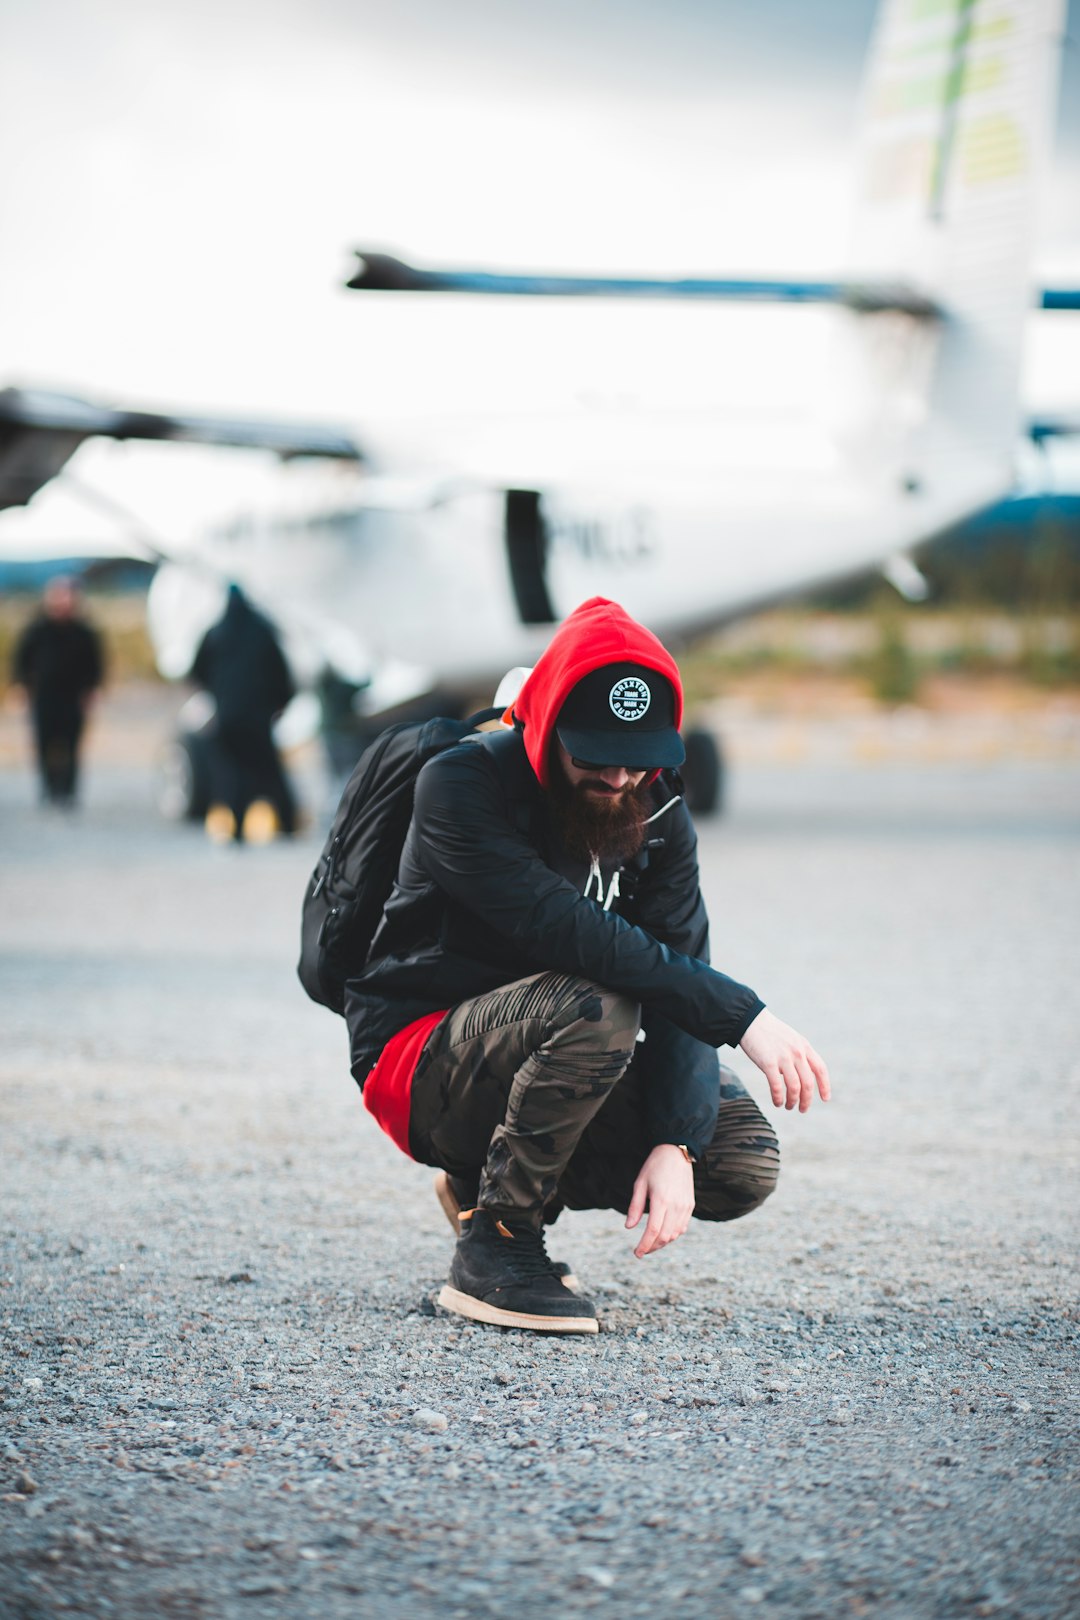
686, 1153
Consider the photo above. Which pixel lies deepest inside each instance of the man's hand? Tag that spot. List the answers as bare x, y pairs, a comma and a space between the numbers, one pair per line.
787, 1060
666, 1183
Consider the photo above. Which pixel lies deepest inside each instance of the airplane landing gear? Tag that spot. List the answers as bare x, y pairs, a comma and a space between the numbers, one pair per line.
703, 773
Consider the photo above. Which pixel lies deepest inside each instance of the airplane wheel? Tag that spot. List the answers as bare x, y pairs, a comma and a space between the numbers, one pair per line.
184, 780
703, 773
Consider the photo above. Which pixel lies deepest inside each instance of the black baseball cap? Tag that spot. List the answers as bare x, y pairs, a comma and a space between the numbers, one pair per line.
622, 714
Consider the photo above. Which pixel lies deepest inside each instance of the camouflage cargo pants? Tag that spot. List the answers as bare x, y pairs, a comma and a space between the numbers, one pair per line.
533, 1095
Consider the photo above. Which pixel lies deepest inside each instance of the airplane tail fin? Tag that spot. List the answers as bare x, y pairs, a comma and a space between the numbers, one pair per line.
955, 132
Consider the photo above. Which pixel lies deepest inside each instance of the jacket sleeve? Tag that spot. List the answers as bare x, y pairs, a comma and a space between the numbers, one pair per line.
682, 1074
93, 660
469, 849
23, 669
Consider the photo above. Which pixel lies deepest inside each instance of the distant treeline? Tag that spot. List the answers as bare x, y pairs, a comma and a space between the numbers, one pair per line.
1024, 554
112, 575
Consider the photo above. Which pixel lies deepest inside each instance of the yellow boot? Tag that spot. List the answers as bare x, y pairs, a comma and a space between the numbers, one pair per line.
220, 824
261, 824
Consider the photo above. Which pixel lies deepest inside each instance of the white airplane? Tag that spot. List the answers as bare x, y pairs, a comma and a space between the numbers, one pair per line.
409, 587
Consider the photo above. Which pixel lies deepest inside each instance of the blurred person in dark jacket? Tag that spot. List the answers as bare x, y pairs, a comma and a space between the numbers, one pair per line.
59, 663
241, 664
537, 1016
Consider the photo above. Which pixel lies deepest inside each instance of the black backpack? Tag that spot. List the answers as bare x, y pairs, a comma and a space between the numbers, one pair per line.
355, 873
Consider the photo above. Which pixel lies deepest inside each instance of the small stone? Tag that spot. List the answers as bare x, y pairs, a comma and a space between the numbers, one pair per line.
26, 1484
599, 1576
33, 1384
752, 1558
752, 1594
434, 1422
638, 1418
1018, 1406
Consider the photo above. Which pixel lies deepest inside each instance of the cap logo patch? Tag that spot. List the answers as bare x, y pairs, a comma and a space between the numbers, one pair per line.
629, 698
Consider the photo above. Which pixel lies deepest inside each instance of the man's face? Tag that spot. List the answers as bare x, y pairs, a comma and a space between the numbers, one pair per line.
60, 599
599, 810
599, 784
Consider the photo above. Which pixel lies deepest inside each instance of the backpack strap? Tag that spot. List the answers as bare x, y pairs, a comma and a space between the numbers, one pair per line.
482, 717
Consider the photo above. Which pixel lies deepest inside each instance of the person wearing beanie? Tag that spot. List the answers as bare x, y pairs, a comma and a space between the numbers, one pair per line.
537, 1017
59, 664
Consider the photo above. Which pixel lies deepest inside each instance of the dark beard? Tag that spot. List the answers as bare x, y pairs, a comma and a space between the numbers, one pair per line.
609, 829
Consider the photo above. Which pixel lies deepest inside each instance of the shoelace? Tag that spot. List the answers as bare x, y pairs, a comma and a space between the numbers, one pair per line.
528, 1253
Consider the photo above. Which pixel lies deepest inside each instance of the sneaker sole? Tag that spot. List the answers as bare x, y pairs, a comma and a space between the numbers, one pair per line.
452, 1299
452, 1210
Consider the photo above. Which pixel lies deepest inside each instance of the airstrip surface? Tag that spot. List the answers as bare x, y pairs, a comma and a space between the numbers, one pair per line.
225, 1390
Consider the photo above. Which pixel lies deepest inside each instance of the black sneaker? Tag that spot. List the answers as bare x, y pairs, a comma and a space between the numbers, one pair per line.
500, 1273
455, 1194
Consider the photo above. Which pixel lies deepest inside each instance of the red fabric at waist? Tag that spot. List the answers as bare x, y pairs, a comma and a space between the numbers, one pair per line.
388, 1088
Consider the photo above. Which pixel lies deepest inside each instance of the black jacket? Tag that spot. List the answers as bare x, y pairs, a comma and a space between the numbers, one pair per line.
486, 895
58, 660
241, 664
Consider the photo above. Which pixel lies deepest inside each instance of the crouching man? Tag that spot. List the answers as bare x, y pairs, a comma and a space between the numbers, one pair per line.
537, 1016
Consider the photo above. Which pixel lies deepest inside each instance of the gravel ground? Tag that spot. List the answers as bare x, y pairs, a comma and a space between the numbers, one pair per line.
225, 1390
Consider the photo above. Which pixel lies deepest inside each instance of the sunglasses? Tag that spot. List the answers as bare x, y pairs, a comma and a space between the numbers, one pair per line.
591, 765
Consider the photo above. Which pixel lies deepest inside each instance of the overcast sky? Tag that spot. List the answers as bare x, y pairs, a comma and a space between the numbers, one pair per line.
190, 178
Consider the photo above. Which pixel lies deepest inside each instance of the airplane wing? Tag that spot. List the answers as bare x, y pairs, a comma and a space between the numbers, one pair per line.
381, 272
41, 430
